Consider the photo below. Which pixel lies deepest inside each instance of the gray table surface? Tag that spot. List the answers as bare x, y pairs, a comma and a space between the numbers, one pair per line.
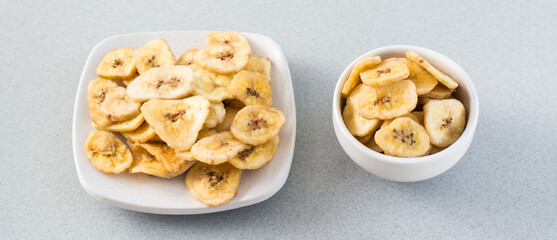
504, 187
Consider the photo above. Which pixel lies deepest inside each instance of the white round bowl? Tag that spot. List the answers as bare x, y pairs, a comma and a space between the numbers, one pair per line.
410, 169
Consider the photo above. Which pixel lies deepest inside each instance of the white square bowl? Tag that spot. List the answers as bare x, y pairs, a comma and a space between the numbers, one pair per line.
143, 193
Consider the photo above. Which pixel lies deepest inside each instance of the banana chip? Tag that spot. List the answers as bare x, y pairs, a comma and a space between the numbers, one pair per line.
423, 80
107, 153
122, 126
371, 144
419, 116
386, 72
357, 124
174, 82
142, 134
118, 106
177, 122
256, 124
260, 65
217, 148
226, 52
444, 120
206, 132
251, 88
214, 86
156, 53
255, 156
384, 102
188, 58
213, 185
438, 92
129, 80
365, 139
96, 94
118, 64
443, 78
216, 115
403, 137
157, 159
228, 118
354, 77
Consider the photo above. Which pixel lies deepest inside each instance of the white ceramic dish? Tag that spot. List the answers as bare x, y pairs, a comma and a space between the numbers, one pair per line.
410, 169
144, 193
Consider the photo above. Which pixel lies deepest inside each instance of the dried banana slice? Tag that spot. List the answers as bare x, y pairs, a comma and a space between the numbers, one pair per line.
255, 156
96, 94
118, 64
216, 115
438, 92
217, 148
185, 155
356, 123
158, 160
167, 156
228, 118
206, 132
235, 103
213, 185
420, 116
129, 80
435, 149
172, 82
444, 120
384, 102
231, 38
222, 59
404, 137
144, 162
388, 71
424, 100
261, 65
256, 124
188, 58
354, 77
123, 126
156, 53
177, 122
251, 88
107, 153
211, 85
156, 138
226, 52
371, 144
444, 79
142, 134
423, 80
365, 139
118, 106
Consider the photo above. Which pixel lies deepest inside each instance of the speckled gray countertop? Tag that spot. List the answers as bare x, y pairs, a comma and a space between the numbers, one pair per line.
505, 187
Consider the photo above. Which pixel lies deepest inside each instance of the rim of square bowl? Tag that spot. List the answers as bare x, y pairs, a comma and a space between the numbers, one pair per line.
473, 111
